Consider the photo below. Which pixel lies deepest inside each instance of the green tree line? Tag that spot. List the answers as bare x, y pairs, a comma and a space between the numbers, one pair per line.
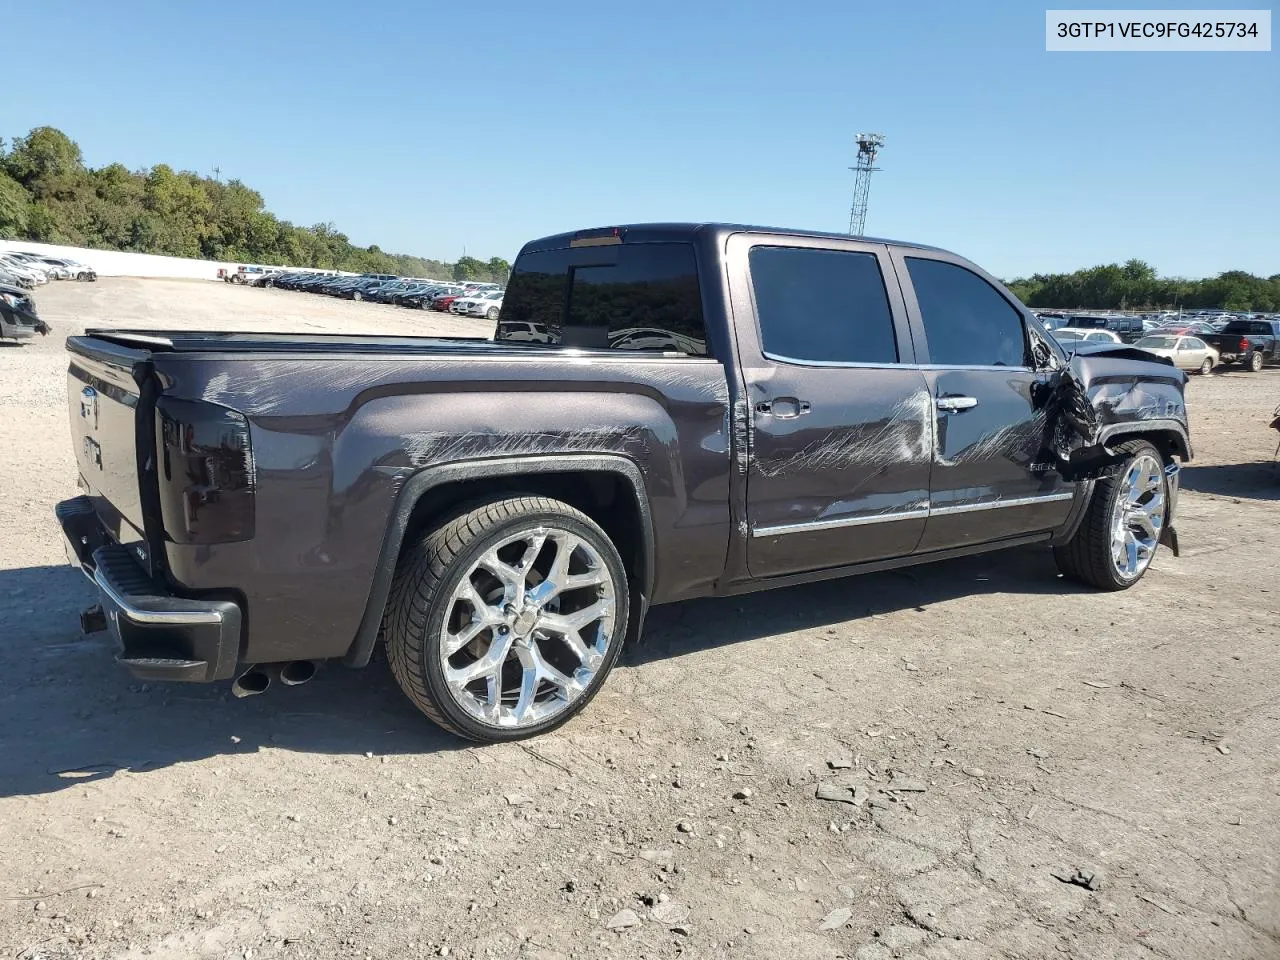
47, 194
1134, 285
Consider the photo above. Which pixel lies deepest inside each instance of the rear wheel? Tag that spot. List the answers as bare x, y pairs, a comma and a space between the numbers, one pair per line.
1120, 532
1255, 361
1206, 365
504, 621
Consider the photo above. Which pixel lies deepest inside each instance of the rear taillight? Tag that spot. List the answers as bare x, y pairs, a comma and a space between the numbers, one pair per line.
1244, 345
205, 471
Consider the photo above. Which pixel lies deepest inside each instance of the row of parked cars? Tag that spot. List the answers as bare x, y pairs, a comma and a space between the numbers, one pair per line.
22, 268
1197, 341
467, 299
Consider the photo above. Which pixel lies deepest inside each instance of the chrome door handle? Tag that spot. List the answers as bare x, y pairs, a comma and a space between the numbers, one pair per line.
784, 408
956, 404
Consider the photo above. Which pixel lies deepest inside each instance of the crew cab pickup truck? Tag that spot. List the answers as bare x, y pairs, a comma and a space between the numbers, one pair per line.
501, 513
1251, 343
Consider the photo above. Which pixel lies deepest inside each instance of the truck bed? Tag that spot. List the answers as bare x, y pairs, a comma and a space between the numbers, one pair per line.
225, 342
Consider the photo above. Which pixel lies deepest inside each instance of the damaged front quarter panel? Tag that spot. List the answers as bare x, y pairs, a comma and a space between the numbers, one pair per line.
1105, 395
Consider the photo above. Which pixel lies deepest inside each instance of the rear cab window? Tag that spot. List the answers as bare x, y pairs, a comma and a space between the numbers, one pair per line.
624, 296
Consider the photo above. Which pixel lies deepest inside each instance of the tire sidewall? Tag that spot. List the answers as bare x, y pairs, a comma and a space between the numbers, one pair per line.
1114, 504
431, 669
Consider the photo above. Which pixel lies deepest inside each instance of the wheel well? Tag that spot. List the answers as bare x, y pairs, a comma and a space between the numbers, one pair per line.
607, 498
1168, 442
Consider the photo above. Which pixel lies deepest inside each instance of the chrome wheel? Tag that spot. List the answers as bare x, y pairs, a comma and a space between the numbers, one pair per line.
527, 627
1137, 517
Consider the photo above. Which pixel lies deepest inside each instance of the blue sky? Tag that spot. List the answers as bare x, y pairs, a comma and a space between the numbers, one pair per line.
430, 127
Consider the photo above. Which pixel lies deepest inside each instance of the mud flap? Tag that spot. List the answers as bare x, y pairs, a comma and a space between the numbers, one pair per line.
1169, 537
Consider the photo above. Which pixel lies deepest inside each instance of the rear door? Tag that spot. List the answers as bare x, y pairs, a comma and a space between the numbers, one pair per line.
841, 425
990, 479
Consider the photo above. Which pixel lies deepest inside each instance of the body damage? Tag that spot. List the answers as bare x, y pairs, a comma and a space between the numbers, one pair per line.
750, 469
1104, 395
903, 434
336, 438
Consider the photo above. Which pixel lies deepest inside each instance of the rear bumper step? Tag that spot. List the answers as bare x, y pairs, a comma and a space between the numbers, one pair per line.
161, 636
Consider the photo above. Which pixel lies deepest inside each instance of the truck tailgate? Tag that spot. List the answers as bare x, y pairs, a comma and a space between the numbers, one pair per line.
103, 391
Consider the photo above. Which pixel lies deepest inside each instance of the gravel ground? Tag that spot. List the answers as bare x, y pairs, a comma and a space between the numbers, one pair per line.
1040, 771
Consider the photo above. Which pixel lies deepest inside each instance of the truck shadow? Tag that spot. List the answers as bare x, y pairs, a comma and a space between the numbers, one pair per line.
69, 715
677, 629
1259, 480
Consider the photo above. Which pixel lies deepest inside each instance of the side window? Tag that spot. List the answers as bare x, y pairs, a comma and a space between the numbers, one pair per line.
825, 305
648, 299
966, 320
641, 296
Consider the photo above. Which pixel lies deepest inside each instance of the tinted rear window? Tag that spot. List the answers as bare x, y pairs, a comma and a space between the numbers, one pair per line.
640, 296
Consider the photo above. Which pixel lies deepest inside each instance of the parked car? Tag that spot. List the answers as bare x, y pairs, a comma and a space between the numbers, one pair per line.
863, 405
488, 304
18, 318
67, 269
1251, 343
520, 331
14, 280
444, 302
1128, 329
20, 268
1065, 334
1187, 353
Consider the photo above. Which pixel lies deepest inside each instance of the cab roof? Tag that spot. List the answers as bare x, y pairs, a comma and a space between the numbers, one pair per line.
688, 232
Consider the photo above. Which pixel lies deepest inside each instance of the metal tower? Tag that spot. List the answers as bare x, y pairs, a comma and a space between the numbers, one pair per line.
869, 145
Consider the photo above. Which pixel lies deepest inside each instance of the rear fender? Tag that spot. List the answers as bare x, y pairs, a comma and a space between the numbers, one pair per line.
421, 483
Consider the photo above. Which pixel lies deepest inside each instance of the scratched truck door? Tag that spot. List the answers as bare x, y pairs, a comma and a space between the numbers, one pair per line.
990, 476
840, 419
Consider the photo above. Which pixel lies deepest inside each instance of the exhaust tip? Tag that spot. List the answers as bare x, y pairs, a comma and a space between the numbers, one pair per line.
297, 672
252, 681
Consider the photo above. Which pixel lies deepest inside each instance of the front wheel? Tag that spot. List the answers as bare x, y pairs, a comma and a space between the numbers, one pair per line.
1206, 366
357, 295
493, 313
1120, 532
504, 620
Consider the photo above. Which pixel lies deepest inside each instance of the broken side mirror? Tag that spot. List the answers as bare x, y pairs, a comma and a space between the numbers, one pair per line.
1043, 356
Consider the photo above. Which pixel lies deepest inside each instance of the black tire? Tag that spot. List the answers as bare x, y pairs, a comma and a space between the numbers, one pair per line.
1255, 361
493, 313
1206, 366
1086, 557
429, 571
356, 295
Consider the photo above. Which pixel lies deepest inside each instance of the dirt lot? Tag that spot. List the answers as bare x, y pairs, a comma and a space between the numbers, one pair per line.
1003, 727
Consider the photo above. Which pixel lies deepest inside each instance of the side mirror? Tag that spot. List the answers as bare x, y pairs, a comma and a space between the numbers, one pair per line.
1041, 353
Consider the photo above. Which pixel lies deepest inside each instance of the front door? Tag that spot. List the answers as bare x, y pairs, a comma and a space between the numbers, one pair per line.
990, 478
841, 419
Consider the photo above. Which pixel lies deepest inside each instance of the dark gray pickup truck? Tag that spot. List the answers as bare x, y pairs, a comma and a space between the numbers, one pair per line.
666, 411
1251, 343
